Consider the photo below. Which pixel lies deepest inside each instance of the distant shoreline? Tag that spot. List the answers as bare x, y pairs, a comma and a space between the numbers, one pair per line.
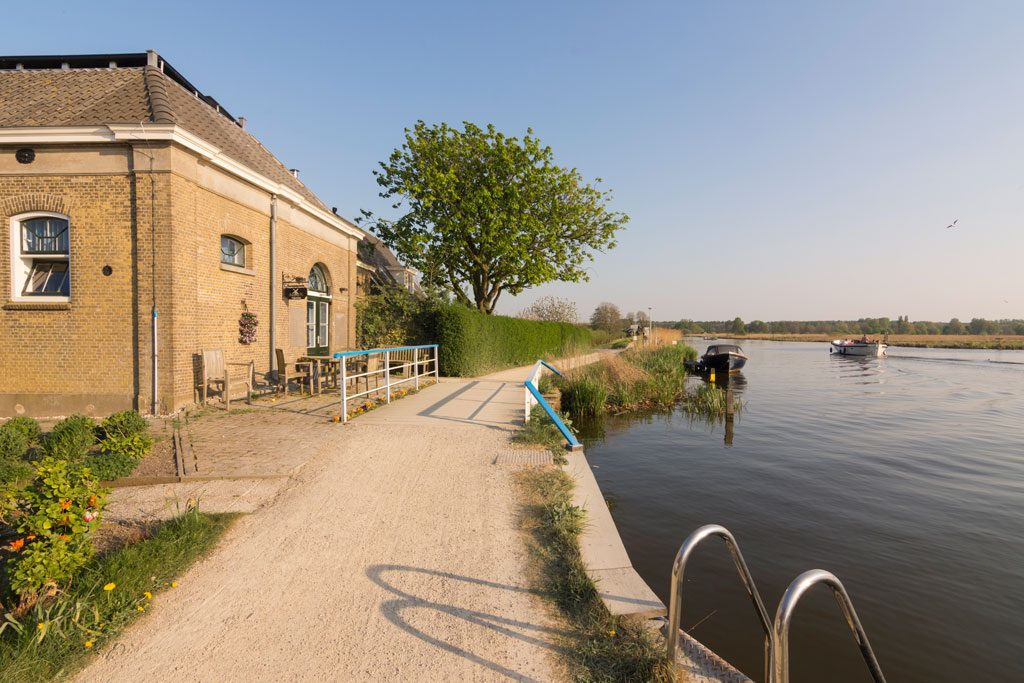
932, 341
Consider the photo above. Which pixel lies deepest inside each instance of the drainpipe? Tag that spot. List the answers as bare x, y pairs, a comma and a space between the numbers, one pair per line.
155, 365
273, 283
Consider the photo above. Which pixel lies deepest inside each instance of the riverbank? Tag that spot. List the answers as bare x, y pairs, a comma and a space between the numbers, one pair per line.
922, 341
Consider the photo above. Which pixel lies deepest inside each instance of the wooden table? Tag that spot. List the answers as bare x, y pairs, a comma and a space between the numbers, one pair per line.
324, 362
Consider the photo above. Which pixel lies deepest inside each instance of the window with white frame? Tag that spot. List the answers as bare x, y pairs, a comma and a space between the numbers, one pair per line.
232, 251
40, 257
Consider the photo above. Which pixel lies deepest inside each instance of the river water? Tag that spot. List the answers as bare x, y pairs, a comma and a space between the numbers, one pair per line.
903, 475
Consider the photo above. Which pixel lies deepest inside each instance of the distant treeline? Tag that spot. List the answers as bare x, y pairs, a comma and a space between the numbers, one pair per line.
902, 325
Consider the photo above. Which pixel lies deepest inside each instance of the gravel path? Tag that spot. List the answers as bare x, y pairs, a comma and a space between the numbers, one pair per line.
393, 555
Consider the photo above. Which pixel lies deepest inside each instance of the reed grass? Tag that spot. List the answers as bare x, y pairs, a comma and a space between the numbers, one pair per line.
711, 401
651, 377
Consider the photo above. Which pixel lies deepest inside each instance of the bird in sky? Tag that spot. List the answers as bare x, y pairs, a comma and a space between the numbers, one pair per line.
953, 224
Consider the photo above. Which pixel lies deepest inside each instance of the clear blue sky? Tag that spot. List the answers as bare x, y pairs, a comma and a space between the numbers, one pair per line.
794, 160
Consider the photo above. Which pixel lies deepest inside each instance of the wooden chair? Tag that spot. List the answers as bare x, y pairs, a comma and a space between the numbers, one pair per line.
216, 371
300, 371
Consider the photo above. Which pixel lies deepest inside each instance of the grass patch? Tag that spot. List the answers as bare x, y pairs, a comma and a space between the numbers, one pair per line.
55, 637
540, 430
600, 647
645, 378
584, 396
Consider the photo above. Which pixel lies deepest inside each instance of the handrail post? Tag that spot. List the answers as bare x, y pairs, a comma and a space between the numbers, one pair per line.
784, 615
344, 389
437, 363
416, 367
387, 376
675, 599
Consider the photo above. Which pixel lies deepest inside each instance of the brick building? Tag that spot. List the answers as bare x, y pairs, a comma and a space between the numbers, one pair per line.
124, 190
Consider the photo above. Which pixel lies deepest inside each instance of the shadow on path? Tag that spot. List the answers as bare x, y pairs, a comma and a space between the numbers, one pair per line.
393, 611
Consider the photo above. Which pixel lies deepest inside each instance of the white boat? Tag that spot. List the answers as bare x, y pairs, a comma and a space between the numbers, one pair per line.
851, 347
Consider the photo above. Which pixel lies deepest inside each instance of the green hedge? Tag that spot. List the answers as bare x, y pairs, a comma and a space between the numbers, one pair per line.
473, 343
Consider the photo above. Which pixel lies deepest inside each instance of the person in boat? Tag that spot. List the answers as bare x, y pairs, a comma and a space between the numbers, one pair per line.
865, 340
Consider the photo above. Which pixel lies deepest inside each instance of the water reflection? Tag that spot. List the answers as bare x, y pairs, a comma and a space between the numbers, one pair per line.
902, 475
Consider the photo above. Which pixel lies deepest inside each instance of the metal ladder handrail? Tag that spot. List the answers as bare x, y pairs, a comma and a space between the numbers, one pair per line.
780, 629
679, 567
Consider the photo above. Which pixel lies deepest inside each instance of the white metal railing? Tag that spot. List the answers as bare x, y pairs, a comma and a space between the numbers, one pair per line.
421, 360
532, 397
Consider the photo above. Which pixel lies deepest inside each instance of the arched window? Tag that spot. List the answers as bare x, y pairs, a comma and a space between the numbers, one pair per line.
232, 251
317, 280
41, 256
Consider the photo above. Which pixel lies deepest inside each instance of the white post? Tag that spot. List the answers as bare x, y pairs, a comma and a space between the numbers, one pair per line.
344, 389
416, 367
437, 363
387, 375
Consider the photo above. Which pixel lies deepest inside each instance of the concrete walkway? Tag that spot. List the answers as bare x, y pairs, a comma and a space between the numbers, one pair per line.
393, 554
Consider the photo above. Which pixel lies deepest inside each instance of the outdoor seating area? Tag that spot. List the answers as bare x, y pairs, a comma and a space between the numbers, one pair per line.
368, 374
215, 371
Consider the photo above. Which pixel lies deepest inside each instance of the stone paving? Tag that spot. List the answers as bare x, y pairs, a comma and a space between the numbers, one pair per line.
273, 437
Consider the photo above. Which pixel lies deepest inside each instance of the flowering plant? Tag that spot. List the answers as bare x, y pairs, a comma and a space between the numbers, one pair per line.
55, 515
247, 325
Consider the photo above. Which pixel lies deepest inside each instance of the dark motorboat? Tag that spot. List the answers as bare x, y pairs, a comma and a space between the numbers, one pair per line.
723, 358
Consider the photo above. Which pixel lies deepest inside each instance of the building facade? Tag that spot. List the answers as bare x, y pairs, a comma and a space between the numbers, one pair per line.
141, 221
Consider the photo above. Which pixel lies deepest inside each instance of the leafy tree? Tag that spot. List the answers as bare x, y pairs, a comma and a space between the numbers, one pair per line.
738, 327
486, 213
390, 317
607, 317
551, 309
953, 327
690, 327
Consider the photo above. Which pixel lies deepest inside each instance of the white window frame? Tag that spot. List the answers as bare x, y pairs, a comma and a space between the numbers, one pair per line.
311, 306
21, 264
324, 316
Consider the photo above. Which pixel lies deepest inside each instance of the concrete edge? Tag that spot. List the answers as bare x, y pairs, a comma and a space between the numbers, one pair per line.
622, 589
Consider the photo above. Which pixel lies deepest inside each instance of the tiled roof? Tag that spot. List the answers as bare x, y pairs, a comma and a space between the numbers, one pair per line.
97, 96
74, 97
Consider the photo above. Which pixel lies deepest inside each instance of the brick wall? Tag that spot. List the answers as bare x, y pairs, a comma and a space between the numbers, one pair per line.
55, 358
94, 354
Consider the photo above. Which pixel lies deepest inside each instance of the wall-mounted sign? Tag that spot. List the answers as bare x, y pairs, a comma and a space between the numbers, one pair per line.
294, 287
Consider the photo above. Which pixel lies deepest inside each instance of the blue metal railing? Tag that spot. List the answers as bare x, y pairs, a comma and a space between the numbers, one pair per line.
385, 382
538, 399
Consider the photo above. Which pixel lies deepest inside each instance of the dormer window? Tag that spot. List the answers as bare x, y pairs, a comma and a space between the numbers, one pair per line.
40, 257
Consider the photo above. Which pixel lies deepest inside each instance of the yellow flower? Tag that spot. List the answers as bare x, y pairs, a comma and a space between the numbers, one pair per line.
141, 608
149, 596
88, 644
41, 626
110, 586
174, 584
612, 632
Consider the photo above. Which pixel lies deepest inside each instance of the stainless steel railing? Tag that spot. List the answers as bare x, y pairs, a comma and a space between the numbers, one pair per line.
678, 569
784, 615
776, 634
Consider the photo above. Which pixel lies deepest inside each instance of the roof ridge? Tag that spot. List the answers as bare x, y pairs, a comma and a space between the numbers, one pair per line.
159, 100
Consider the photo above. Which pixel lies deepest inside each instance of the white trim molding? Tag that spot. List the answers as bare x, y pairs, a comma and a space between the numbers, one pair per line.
21, 264
132, 133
